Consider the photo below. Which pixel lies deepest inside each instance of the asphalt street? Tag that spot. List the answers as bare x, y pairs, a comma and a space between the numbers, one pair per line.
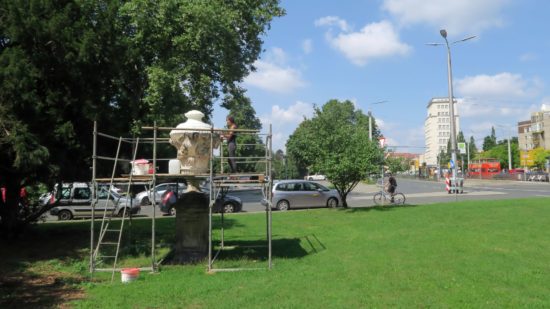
417, 192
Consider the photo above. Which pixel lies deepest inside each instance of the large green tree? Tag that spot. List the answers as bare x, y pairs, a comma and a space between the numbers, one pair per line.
335, 142
65, 64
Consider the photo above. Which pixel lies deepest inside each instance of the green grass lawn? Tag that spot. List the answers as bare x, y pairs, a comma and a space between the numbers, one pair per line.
467, 254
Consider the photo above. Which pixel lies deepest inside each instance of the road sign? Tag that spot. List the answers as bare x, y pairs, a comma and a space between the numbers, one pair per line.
452, 163
462, 148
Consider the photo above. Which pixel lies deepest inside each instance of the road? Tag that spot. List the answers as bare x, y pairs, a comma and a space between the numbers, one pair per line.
420, 192
416, 191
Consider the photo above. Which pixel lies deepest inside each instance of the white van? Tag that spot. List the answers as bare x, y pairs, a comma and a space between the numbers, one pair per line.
76, 202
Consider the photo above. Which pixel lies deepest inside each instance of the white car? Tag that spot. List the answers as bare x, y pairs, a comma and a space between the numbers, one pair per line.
145, 197
316, 177
75, 201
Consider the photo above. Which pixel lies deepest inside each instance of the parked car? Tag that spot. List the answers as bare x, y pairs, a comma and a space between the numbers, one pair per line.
316, 177
45, 199
537, 176
76, 202
228, 204
145, 197
302, 193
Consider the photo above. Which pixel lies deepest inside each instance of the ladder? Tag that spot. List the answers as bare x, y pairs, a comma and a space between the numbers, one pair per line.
110, 235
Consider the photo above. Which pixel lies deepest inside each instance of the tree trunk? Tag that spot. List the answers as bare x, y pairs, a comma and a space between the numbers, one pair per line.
344, 200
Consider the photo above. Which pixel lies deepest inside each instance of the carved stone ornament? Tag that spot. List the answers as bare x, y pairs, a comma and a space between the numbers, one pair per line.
193, 144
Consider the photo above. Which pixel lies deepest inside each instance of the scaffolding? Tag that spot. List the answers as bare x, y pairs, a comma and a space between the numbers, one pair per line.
219, 183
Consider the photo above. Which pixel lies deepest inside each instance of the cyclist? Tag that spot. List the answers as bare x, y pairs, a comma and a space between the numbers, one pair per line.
390, 187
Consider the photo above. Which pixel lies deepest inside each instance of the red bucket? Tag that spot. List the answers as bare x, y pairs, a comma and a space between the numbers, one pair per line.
129, 274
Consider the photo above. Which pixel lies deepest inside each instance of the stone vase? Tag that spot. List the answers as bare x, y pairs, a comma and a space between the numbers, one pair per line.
192, 140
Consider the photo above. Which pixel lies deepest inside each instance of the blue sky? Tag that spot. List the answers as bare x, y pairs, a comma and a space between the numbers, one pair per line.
369, 51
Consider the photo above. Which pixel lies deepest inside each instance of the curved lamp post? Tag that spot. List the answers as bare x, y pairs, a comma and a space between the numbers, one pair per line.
370, 117
443, 33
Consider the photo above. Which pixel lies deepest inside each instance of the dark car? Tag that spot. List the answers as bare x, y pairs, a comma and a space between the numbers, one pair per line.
227, 204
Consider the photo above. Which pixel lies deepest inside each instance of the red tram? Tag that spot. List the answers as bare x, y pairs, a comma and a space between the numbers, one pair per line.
484, 168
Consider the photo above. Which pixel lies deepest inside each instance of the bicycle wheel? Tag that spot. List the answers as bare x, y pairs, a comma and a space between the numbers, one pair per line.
399, 198
379, 199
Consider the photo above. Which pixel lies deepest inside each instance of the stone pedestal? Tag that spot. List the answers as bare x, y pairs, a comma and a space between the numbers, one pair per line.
191, 228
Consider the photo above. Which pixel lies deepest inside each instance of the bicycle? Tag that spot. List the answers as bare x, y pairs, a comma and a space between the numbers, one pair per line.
384, 198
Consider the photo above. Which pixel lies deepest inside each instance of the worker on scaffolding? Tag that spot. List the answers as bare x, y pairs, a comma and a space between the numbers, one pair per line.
231, 137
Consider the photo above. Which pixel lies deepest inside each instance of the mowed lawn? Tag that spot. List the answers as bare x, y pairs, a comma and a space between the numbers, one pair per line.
468, 254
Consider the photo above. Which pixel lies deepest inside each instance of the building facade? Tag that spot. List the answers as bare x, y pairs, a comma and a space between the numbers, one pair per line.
534, 133
437, 128
525, 141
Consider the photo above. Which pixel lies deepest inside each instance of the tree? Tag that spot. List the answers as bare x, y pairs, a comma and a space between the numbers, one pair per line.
283, 166
397, 164
250, 145
335, 142
539, 157
472, 148
500, 152
65, 64
490, 141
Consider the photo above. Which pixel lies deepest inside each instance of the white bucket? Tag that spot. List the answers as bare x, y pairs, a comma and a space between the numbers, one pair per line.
174, 166
140, 167
129, 274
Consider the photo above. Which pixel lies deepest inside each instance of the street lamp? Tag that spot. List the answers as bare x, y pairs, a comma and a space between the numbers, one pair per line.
509, 148
382, 143
370, 117
443, 33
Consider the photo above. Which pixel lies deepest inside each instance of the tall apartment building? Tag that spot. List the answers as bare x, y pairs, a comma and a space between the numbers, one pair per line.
535, 133
437, 128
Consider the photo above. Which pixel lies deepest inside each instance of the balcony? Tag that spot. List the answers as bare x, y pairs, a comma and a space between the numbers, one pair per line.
537, 128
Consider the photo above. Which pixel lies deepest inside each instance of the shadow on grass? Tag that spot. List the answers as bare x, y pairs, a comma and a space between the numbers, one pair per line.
44, 266
137, 238
31, 272
257, 250
288, 248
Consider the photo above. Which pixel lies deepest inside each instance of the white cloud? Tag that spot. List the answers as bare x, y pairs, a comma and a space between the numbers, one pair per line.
277, 56
375, 40
503, 86
274, 75
408, 140
457, 16
285, 120
527, 57
307, 46
333, 21
294, 114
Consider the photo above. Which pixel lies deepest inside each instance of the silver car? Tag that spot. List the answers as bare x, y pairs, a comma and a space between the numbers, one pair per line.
302, 193
145, 197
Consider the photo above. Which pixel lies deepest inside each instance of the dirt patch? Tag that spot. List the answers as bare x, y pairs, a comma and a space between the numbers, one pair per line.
22, 290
